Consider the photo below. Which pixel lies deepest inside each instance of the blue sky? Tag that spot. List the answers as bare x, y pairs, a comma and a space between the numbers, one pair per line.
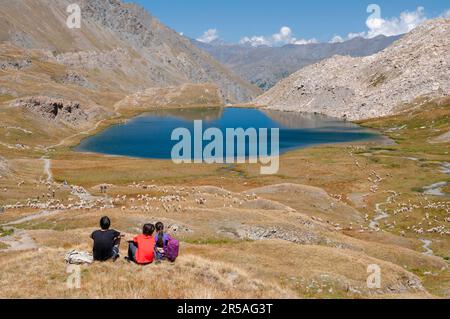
318, 20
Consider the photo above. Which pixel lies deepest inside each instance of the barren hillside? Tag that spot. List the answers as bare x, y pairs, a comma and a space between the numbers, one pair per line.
120, 44
415, 66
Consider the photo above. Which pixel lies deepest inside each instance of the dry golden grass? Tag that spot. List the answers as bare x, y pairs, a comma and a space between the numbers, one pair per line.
312, 271
323, 270
190, 277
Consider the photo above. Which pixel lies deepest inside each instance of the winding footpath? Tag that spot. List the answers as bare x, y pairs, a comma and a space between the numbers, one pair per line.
20, 239
426, 246
381, 214
48, 169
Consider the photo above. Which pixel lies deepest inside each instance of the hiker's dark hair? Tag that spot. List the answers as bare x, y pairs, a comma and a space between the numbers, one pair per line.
160, 229
148, 229
105, 223
159, 226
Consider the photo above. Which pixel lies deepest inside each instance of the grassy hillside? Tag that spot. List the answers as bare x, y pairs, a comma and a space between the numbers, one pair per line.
233, 236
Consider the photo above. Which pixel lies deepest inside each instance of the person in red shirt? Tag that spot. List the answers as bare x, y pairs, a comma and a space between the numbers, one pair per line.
141, 249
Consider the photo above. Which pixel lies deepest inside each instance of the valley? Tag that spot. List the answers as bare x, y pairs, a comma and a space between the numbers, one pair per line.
220, 210
312, 230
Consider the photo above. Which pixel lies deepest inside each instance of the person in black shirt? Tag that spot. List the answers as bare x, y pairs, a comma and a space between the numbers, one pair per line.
106, 241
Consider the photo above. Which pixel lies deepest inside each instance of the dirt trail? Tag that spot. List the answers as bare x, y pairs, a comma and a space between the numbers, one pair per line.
80, 192
48, 169
381, 214
426, 246
41, 214
19, 240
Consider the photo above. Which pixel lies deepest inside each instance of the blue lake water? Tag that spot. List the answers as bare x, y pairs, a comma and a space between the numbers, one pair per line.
149, 135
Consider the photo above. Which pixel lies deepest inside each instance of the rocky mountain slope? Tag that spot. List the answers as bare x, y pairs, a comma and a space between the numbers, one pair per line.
265, 66
188, 95
415, 66
120, 45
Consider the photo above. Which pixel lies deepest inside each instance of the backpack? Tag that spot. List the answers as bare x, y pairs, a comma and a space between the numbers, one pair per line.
75, 257
172, 249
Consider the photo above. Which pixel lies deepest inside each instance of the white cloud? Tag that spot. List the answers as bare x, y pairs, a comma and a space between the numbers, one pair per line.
209, 36
305, 41
407, 21
404, 23
398, 25
356, 35
337, 39
255, 41
283, 37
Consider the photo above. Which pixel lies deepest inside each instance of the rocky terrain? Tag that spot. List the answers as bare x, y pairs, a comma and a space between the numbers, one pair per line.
75, 78
416, 66
69, 112
122, 46
14, 64
265, 66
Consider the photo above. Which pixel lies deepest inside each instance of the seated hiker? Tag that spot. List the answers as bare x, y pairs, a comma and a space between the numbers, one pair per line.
166, 247
141, 249
106, 241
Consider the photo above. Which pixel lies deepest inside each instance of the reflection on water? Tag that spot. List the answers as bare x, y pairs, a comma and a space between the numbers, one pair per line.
295, 120
190, 114
149, 136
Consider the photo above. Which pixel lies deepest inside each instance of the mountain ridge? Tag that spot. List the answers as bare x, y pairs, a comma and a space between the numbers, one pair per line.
124, 35
265, 66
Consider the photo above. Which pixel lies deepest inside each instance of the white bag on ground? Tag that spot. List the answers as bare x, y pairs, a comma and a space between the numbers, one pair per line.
75, 257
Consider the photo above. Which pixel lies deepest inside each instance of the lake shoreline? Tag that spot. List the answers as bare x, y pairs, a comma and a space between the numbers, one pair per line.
342, 128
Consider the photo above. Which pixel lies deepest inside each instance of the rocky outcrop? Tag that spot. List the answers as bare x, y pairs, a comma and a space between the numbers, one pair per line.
75, 78
67, 112
93, 59
294, 236
16, 64
359, 88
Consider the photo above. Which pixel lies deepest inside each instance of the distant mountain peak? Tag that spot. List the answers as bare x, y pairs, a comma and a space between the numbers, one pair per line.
265, 66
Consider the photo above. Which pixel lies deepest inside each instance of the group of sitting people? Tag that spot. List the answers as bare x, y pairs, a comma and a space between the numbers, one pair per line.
152, 245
